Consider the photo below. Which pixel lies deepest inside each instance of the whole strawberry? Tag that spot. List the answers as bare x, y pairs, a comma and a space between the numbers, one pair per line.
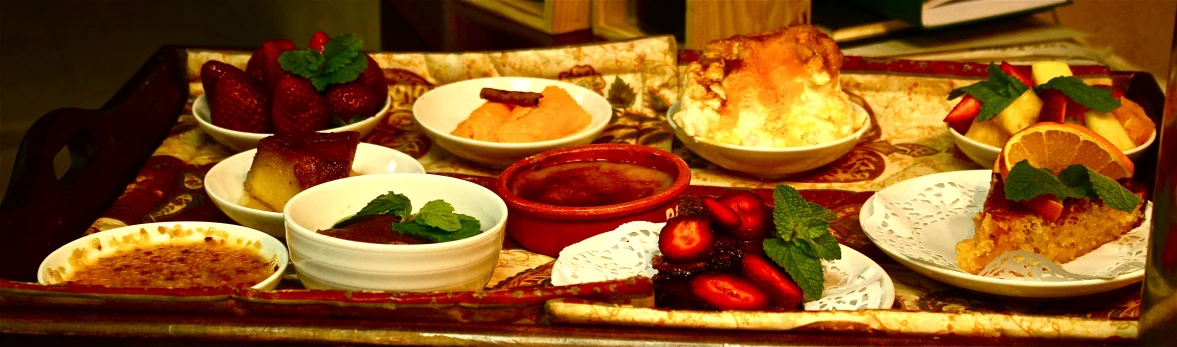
374, 77
353, 100
298, 107
263, 64
239, 104
214, 70
318, 41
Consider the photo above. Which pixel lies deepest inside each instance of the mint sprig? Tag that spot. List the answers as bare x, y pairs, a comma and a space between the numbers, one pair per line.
342, 61
802, 239
435, 221
1094, 98
995, 94
1026, 182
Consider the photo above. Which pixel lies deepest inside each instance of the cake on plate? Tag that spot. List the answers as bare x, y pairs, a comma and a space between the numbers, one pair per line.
288, 163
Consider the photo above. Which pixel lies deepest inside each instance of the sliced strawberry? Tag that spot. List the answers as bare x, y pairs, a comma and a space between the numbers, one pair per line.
962, 115
214, 70
318, 41
754, 217
686, 239
1054, 106
1048, 207
240, 105
1022, 73
721, 215
263, 64
768, 276
299, 107
728, 292
353, 99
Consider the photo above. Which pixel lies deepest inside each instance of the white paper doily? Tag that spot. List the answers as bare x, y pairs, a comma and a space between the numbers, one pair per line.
919, 222
852, 283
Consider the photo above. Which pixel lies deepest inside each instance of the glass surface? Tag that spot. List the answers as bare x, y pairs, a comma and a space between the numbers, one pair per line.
1158, 318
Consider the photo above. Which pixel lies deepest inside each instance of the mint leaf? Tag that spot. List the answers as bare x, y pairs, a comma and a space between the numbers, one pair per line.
1076, 177
1096, 99
796, 218
1112, 193
1026, 181
438, 214
338, 122
995, 94
470, 226
822, 247
341, 50
388, 204
804, 269
302, 62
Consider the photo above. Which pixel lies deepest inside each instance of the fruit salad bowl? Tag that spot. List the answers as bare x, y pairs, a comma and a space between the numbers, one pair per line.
441, 110
242, 141
985, 155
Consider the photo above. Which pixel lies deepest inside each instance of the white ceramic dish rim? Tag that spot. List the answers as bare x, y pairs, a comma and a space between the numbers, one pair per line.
381, 248
590, 129
868, 208
272, 214
282, 260
206, 120
986, 147
855, 136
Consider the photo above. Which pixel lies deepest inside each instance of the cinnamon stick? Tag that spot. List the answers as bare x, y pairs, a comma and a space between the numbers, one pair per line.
526, 99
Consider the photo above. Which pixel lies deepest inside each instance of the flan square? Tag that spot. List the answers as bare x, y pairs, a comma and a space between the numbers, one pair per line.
288, 163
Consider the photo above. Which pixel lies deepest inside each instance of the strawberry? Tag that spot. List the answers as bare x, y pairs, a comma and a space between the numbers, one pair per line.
769, 277
1049, 207
728, 292
353, 99
721, 215
374, 76
214, 70
1054, 106
962, 115
299, 107
686, 239
263, 64
1022, 73
240, 105
318, 41
754, 217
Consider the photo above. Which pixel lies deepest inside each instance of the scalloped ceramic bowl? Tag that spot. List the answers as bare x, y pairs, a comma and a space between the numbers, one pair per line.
225, 183
984, 155
60, 264
243, 141
440, 111
325, 262
768, 163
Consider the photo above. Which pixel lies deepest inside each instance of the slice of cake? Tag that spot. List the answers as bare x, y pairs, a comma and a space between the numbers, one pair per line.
288, 163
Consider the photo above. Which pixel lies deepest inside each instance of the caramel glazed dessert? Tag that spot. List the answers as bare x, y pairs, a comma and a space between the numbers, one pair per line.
774, 89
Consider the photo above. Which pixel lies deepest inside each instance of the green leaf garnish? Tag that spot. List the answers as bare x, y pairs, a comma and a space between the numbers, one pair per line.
438, 214
390, 203
342, 61
470, 226
1096, 99
995, 94
338, 122
802, 240
1025, 182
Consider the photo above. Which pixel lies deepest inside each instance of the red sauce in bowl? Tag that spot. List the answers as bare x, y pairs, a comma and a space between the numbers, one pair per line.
586, 184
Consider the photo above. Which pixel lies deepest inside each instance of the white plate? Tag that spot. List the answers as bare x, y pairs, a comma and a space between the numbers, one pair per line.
991, 285
225, 183
628, 251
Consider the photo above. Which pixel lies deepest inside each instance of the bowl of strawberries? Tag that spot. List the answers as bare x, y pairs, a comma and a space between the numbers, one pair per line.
330, 86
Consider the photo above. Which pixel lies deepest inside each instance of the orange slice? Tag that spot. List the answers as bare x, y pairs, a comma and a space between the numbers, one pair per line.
1054, 146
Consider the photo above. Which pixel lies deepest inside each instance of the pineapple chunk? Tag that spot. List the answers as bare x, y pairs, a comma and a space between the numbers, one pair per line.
987, 132
1020, 114
1106, 125
1044, 71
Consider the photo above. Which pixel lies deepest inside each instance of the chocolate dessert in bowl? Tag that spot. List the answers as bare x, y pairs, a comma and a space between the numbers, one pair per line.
564, 196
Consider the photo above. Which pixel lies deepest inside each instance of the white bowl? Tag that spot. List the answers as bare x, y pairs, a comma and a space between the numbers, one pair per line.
768, 163
984, 155
60, 264
241, 141
440, 111
225, 183
325, 262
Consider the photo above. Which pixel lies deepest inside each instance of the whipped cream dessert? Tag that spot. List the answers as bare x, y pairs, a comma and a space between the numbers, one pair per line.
776, 89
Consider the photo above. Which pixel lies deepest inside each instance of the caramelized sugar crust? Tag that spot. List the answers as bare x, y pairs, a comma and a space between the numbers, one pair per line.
288, 163
1084, 225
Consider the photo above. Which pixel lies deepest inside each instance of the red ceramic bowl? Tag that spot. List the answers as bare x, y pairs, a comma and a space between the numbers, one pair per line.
547, 229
